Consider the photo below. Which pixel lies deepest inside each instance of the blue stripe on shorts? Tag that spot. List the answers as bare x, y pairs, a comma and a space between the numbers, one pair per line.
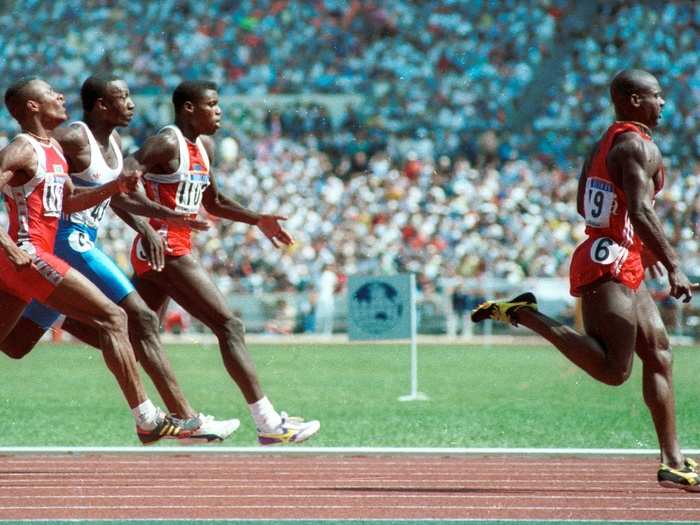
94, 265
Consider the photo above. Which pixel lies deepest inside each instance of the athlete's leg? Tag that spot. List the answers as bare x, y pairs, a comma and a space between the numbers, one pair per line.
142, 322
145, 340
143, 332
654, 350
188, 284
12, 308
78, 298
155, 298
606, 351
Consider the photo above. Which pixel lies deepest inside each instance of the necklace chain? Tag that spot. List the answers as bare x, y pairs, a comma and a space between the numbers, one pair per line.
39, 137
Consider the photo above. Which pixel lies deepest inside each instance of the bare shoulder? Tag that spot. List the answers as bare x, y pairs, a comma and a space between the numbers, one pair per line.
18, 155
632, 149
70, 137
159, 149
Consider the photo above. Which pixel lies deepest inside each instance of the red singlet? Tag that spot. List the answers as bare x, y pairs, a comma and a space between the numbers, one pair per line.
34, 209
181, 191
612, 249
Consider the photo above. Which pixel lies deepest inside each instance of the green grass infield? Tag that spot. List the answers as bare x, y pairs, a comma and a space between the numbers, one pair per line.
505, 396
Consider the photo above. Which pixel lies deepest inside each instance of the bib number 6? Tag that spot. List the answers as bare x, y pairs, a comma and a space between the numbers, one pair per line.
604, 250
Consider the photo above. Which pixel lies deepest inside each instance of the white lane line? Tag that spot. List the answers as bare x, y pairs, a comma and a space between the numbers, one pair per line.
304, 450
389, 494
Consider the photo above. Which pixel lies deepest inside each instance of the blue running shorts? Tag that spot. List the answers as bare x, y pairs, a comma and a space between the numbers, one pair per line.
78, 250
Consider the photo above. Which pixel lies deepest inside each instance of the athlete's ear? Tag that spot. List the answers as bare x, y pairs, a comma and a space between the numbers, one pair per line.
188, 106
634, 99
100, 102
32, 106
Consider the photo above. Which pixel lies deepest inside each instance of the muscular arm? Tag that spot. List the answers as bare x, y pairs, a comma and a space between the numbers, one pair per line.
220, 205
636, 162
77, 199
16, 160
138, 203
159, 154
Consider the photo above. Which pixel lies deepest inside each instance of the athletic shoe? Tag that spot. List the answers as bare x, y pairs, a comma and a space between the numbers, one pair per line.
503, 310
291, 430
210, 430
685, 478
168, 427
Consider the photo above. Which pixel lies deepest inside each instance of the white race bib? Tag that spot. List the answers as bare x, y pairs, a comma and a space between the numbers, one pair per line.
599, 202
605, 250
53, 195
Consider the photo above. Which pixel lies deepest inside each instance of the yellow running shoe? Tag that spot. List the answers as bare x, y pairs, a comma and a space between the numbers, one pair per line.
503, 310
290, 430
685, 478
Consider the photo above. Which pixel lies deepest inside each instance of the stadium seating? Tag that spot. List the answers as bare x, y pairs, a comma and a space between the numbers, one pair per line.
435, 172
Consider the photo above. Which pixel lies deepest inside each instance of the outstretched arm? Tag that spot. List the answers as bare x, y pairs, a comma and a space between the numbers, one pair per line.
220, 205
76, 199
137, 203
636, 162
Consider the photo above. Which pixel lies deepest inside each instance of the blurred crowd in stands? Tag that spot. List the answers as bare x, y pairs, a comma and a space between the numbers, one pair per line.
431, 172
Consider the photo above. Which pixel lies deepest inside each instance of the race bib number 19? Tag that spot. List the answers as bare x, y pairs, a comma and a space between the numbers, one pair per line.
598, 202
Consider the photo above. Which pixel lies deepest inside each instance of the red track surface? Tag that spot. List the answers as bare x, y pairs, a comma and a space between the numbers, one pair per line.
327, 487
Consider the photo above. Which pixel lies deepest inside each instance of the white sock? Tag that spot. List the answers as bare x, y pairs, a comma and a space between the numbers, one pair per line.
265, 416
146, 415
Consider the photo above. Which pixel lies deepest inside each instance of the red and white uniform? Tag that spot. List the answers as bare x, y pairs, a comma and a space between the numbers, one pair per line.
613, 249
182, 191
34, 209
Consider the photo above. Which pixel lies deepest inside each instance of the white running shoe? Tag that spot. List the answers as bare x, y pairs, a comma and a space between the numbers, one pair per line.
211, 431
291, 430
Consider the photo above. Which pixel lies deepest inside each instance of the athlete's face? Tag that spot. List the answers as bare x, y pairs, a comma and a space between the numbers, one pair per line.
48, 103
118, 104
206, 113
649, 102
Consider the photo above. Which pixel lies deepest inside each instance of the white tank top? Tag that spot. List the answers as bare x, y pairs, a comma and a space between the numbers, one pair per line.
96, 174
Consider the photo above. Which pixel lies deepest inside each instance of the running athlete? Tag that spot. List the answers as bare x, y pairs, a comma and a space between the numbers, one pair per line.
35, 183
616, 192
93, 151
176, 167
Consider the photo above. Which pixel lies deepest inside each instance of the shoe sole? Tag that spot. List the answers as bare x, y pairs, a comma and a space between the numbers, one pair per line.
483, 312
678, 486
299, 438
207, 439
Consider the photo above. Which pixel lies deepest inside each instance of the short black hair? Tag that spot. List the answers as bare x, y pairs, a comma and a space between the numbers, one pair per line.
94, 87
627, 82
17, 94
190, 91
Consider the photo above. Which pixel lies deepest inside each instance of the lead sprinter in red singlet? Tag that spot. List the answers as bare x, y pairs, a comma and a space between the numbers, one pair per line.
176, 163
616, 192
35, 183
